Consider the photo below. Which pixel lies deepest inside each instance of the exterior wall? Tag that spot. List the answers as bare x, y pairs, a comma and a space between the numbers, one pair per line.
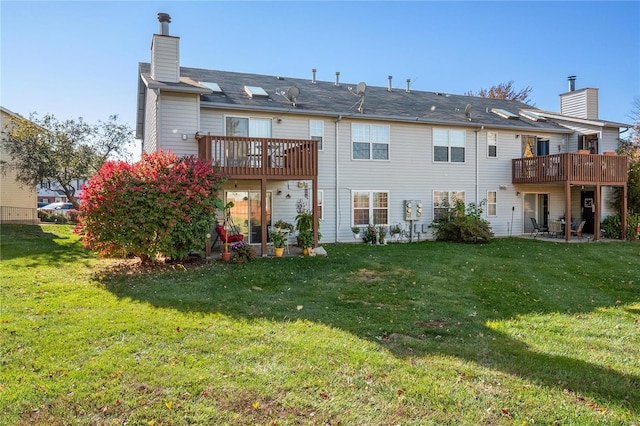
17, 202
581, 103
165, 58
178, 114
409, 174
150, 141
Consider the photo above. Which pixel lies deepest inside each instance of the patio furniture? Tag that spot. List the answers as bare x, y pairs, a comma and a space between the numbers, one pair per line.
578, 231
537, 228
555, 228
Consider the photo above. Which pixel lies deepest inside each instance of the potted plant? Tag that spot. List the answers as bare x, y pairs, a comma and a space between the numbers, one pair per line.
395, 231
306, 241
281, 224
279, 239
382, 233
356, 232
225, 208
242, 251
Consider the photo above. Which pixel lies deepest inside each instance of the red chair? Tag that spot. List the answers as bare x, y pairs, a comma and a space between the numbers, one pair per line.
222, 236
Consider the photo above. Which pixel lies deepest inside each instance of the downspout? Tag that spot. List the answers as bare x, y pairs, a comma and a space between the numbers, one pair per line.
337, 123
158, 127
478, 167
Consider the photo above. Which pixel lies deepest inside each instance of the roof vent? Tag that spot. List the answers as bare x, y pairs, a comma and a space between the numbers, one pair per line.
408, 85
337, 83
572, 83
313, 75
164, 19
390, 78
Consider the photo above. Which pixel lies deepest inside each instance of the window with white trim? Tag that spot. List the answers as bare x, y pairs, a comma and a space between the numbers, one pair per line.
492, 203
492, 144
370, 141
253, 127
316, 132
320, 202
444, 202
449, 145
370, 207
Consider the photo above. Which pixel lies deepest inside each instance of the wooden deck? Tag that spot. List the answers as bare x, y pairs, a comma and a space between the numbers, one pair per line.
257, 158
574, 168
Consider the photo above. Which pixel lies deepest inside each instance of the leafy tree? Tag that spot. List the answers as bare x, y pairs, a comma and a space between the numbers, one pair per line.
159, 206
631, 148
504, 91
59, 153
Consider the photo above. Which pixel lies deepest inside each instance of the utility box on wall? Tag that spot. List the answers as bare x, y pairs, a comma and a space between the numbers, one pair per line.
412, 209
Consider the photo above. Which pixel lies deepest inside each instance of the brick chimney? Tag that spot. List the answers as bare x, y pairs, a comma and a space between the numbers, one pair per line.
165, 53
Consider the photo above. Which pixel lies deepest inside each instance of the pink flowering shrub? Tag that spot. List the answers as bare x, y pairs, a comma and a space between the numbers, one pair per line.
161, 205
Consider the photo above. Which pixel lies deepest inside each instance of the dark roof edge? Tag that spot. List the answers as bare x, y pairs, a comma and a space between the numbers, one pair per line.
402, 119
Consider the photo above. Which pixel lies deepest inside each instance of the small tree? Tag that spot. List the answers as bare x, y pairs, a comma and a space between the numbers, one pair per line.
464, 227
60, 153
504, 91
631, 148
160, 205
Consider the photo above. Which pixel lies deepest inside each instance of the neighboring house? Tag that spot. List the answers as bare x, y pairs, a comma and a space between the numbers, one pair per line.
17, 201
53, 194
365, 154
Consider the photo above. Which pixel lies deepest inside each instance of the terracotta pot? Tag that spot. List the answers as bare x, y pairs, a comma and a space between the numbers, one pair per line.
225, 256
279, 251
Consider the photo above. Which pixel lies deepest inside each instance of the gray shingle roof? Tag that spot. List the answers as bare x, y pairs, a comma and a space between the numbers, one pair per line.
326, 98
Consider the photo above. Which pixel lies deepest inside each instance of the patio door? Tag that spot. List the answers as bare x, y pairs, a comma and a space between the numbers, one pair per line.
246, 213
535, 206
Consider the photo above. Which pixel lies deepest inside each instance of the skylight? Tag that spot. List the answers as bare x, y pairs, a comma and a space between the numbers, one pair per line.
255, 91
532, 115
504, 113
215, 87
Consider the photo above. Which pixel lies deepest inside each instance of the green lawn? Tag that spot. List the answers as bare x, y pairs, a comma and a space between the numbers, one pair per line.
516, 332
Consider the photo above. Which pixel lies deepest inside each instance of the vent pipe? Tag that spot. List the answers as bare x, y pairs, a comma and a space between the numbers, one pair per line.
337, 78
408, 85
313, 75
164, 19
390, 78
572, 83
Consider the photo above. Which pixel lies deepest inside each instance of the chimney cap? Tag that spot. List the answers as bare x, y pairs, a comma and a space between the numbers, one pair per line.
164, 17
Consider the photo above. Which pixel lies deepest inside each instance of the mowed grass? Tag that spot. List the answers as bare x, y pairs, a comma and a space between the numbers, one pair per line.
513, 332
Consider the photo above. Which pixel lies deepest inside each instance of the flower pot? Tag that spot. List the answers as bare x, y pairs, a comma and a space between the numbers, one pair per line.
225, 256
279, 251
306, 251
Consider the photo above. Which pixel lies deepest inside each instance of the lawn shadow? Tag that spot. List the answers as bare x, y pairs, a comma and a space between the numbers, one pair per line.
411, 311
36, 247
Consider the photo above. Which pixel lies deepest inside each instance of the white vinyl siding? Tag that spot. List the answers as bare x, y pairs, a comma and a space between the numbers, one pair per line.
370, 207
165, 58
178, 115
370, 141
449, 145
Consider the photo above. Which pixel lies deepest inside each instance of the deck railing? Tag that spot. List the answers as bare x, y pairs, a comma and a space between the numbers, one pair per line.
573, 167
245, 157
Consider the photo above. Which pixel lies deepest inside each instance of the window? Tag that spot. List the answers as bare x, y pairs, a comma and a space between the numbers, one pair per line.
444, 202
316, 132
320, 202
492, 144
370, 141
542, 147
448, 145
492, 203
370, 207
254, 127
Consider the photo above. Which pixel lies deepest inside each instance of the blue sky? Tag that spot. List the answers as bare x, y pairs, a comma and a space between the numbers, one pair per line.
79, 58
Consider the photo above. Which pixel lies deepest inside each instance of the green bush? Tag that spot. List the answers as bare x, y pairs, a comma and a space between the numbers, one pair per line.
52, 217
159, 206
612, 226
463, 227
